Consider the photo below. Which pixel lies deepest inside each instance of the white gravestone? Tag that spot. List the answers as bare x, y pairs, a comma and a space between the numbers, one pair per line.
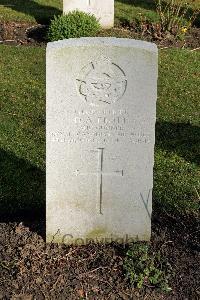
103, 10
101, 112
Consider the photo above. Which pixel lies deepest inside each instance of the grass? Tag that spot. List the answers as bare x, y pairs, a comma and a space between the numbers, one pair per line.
128, 10
30, 11
22, 131
177, 157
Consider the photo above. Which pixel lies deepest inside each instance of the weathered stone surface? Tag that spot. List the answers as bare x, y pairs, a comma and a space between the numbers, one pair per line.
103, 10
101, 111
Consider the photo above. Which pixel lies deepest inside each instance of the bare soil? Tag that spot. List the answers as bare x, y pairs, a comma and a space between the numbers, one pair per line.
13, 33
31, 269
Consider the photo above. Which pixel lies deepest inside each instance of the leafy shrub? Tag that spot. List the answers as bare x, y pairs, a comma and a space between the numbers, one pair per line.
143, 269
73, 25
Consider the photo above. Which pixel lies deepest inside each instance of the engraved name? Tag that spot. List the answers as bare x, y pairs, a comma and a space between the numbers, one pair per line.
69, 137
102, 126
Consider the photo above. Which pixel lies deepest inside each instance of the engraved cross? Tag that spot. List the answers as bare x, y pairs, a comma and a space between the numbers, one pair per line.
100, 173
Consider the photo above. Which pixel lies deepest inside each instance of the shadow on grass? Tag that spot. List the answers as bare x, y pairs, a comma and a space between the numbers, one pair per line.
177, 160
41, 13
22, 191
180, 138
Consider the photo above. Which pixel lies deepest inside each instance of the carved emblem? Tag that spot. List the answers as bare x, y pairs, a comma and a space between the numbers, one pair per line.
101, 82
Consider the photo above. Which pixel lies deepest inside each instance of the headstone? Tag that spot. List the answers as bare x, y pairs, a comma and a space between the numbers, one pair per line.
101, 112
103, 10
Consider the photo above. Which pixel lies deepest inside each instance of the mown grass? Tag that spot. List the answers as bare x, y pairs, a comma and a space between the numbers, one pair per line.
30, 11
129, 10
22, 131
177, 157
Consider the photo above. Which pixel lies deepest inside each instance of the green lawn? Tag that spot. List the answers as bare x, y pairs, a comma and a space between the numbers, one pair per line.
134, 10
22, 131
38, 11
177, 158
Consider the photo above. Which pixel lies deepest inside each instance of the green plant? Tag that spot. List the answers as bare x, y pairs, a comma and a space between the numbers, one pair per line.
175, 16
143, 269
73, 25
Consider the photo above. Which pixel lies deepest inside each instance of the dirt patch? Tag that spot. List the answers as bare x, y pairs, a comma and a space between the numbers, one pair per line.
31, 269
13, 33
152, 33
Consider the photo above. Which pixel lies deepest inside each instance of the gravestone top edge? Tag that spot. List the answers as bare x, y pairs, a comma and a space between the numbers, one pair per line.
103, 41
